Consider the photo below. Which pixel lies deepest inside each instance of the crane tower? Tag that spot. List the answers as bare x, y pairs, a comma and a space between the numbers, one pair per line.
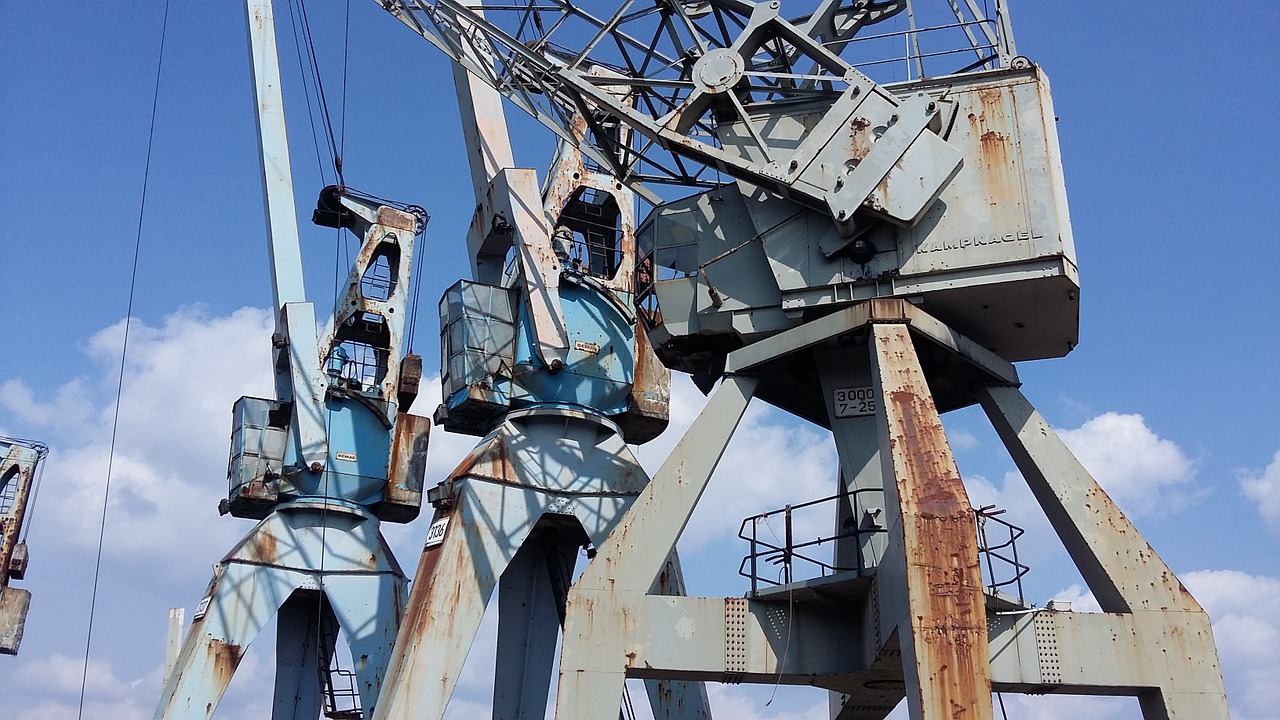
859, 216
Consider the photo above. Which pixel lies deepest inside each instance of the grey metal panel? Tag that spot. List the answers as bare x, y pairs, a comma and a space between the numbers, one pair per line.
993, 256
477, 335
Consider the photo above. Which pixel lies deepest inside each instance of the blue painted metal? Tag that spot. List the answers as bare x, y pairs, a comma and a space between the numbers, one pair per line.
321, 464
600, 364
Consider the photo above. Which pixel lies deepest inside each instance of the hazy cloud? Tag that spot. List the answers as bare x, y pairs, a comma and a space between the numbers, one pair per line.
1264, 489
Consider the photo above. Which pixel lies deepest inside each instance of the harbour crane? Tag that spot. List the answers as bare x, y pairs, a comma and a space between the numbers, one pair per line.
878, 253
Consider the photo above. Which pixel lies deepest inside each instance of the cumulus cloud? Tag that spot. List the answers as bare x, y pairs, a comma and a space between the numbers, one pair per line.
1141, 471
1246, 625
1264, 489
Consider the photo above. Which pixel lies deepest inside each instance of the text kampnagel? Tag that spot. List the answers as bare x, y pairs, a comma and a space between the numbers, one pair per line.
967, 242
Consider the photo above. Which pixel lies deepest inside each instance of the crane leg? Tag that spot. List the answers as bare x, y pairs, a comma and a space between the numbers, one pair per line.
676, 699
487, 524
240, 601
369, 611
298, 546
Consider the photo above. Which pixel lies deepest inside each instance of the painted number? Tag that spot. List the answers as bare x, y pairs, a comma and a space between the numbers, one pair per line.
435, 533
855, 402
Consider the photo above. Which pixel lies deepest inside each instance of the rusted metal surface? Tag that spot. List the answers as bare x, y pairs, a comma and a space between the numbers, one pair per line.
302, 548
14, 603
943, 628
17, 476
402, 498
649, 408
1121, 568
17, 473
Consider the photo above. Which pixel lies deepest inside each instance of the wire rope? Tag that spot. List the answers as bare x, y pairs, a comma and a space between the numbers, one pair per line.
325, 655
124, 353
330, 136
306, 91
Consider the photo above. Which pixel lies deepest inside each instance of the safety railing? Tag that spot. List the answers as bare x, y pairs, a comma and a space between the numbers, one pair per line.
785, 554
791, 561
1002, 554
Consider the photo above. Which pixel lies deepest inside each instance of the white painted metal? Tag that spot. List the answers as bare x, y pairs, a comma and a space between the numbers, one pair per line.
304, 383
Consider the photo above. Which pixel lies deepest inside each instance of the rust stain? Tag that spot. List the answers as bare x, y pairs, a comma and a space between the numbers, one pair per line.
396, 219
225, 658
947, 610
861, 138
490, 460
265, 548
417, 614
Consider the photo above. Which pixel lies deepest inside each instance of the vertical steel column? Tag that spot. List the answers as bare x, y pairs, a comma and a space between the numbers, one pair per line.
295, 318
858, 447
938, 604
529, 616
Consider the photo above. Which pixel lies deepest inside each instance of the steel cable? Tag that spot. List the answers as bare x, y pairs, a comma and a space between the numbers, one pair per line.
124, 353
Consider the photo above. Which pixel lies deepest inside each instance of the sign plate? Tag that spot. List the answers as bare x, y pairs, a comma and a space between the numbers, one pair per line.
435, 533
345, 456
855, 402
589, 348
202, 608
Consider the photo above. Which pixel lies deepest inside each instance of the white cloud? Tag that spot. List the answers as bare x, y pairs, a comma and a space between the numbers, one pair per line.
773, 459
1080, 598
1264, 488
1141, 471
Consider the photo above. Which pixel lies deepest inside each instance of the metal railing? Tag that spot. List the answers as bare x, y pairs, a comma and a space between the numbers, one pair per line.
785, 553
997, 546
1003, 554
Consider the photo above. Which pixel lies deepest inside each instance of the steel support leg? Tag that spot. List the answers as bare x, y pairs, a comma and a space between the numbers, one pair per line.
305, 632
1119, 566
1121, 569
932, 559
572, 471
368, 611
676, 699
487, 525
241, 600
597, 629
296, 547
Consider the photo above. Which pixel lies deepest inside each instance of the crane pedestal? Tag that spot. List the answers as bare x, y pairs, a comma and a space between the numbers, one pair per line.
913, 620
513, 516
317, 567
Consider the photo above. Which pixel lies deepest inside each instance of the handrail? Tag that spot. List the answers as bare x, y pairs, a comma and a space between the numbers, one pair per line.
785, 553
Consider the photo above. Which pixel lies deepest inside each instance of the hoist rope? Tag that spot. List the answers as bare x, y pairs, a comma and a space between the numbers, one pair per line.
324, 654
330, 136
306, 92
124, 353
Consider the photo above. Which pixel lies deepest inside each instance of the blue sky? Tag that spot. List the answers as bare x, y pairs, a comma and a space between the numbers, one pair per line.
1167, 117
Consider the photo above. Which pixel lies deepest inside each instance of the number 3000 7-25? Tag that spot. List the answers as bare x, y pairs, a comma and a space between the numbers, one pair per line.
855, 402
